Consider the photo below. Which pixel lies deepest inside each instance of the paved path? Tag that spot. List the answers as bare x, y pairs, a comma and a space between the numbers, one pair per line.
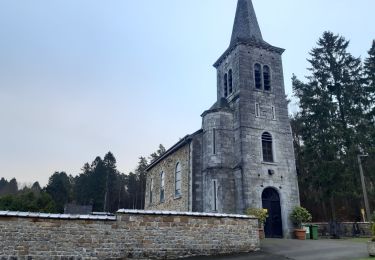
283, 249
315, 249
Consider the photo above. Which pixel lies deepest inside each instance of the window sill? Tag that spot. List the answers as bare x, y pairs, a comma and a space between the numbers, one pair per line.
269, 163
177, 197
263, 90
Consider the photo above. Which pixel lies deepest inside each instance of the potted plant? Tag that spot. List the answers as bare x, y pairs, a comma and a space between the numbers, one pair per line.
262, 215
298, 216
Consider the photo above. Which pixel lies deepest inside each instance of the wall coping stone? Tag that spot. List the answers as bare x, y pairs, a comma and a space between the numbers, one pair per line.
56, 216
121, 211
177, 213
342, 222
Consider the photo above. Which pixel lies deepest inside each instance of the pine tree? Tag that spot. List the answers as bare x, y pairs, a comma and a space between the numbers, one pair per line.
59, 187
154, 156
141, 177
333, 106
369, 68
112, 189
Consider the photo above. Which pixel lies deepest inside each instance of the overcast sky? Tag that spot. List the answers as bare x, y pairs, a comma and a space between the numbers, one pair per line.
79, 78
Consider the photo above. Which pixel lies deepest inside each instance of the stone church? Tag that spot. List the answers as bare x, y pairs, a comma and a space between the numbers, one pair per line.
243, 156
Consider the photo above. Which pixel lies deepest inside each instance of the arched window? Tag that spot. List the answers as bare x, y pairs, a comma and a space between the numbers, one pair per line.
230, 81
177, 175
267, 147
258, 76
162, 185
266, 78
226, 85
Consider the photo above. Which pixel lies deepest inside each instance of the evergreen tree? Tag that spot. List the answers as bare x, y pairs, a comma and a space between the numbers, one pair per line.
333, 107
12, 187
36, 187
369, 68
29, 200
113, 182
97, 182
154, 156
132, 189
3, 184
141, 177
59, 187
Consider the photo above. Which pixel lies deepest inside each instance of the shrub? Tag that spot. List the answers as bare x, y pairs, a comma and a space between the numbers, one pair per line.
300, 215
261, 214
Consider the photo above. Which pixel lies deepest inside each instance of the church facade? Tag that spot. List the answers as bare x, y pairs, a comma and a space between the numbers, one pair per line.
243, 155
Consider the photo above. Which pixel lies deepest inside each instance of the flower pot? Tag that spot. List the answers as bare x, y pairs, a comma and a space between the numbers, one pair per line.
300, 234
371, 248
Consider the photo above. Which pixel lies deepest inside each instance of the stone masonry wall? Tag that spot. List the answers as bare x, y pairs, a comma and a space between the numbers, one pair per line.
168, 166
345, 229
133, 235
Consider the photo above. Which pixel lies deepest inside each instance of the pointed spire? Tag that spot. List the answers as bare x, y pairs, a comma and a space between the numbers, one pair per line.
246, 27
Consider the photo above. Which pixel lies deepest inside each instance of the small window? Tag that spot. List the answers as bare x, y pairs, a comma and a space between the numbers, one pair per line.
226, 85
162, 185
257, 110
258, 76
151, 188
214, 141
230, 81
266, 78
267, 147
273, 113
178, 180
214, 195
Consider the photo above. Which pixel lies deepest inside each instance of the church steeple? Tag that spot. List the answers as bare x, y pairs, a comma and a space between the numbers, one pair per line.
246, 27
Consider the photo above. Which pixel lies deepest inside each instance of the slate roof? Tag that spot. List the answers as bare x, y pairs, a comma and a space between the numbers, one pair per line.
246, 31
72, 208
246, 25
221, 104
187, 139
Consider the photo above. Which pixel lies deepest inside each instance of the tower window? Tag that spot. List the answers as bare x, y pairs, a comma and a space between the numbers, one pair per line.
266, 78
230, 81
226, 85
162, 185
258, 76
177, 175
151, 188
257, 110
273, 113
267, 147
214, 195
214, 141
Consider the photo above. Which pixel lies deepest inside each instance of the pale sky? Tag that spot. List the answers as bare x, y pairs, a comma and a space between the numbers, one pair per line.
79, 78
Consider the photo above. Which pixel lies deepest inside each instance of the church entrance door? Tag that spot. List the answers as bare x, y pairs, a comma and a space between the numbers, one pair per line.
271, 201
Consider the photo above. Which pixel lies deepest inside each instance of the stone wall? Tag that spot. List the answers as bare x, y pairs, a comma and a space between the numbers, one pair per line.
129, 235
168, 166
345, 229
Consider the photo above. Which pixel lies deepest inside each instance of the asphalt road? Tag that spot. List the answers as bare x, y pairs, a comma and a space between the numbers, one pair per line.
282, 249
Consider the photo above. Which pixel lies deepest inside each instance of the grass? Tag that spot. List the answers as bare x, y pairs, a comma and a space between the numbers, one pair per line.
359, 240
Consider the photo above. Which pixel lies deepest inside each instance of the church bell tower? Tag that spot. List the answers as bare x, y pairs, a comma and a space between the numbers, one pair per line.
248, 156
